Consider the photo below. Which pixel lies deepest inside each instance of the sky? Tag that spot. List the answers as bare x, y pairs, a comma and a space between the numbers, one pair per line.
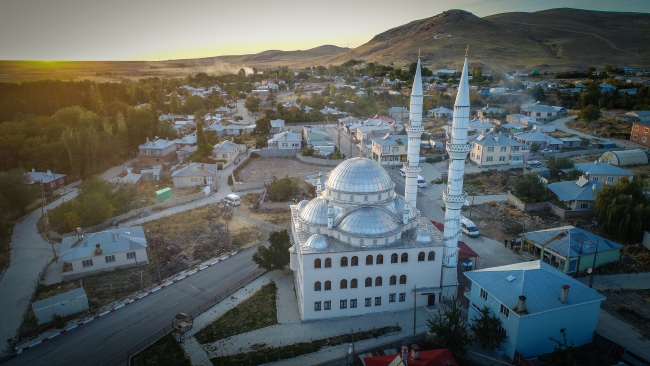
88, 30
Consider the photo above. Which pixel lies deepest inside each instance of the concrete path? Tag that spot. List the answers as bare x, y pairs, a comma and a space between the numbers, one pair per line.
623, 334
625, 281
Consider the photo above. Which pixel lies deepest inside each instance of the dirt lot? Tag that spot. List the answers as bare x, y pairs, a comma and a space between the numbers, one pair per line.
606, 127
266, 168
632, 307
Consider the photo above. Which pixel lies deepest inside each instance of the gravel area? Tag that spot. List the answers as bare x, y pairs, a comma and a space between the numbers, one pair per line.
261, 169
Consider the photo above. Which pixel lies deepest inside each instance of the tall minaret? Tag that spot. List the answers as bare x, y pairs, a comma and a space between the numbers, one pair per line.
453, 195
414, 131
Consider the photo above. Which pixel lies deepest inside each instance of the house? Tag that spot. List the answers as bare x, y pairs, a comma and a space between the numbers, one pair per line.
285, 140
480, 126
64, 304
496, 149
195, 174
379, 120
399, 113
157, 152
534, 303
641, 115
521, 118
602, 172
513, 127
226, 152
312, 136
488, 111
570, 249
440, 112
628, 91
541, 127
277, 125
625, 157
153, 174
497, 90
571, 142
578, 195
540, 112
84, 254
436, 357
131, 178
334, 112
366, 133
347, 121
189, 140
185, 152
607, 88
539, 139
641, 132
390, 150
50, 181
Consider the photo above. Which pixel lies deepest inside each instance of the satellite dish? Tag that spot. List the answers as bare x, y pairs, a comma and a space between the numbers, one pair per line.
589, 270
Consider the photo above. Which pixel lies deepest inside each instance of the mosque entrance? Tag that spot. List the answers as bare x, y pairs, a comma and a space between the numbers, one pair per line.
431, 301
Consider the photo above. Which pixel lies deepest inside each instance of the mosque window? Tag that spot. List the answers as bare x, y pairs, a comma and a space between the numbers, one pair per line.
338, 195
351, 198
386, 242
368, 282
353, 283
369, 260
374, 241
317, 305
432, 256
365, 198
344, 262
317, 263
393, 280
393, 259
421, 257
328, 285
355, 261
317, 286
378, 281
379, 198
361, 242
344, 284
380, 259
405, 257
328, 263
349, 239
402, 280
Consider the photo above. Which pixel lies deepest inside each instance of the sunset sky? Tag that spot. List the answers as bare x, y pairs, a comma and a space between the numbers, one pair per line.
173, 29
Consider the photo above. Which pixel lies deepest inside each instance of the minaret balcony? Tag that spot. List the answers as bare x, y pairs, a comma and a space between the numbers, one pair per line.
418, 129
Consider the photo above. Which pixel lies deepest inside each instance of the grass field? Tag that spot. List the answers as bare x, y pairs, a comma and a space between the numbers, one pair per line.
165, 352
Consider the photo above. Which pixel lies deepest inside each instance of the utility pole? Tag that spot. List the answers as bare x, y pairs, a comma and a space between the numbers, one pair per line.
415, 299
593, 266
155, 248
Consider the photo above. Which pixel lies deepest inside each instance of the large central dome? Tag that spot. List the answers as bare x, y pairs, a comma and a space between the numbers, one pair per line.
359, 176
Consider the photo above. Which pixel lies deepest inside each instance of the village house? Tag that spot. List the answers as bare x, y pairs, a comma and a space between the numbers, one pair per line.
607, 88
539, 139
571, 142
496, 149
641, 132
195, 174
602, 172
390, 150
367, 133
189, 140
277, 125
85, 254
488, 111
50, 181
542, 113
578, 195
226, 152
440, 112
285, 140
398, 113
312, 137
157, 152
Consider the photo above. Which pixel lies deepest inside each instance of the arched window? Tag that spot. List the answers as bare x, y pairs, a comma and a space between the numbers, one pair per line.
328, 263
369, 260
393, 280
421, 257
317, 263
344, 262
344, 284
402, 280
328, 285
355, 261
432, 256
393, 258
380, 259
353, 283
378, 281
368, 282
405, 257
317, 286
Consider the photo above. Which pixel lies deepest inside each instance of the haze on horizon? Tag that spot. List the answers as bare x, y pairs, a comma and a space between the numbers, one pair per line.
122, 30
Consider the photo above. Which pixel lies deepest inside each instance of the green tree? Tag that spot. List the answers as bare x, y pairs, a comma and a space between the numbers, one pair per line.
563, 354
252, 103
276, 256
530, 188
555, 165
175, 103
590, 113
15, 192
95, 209
623, 210
486, 328
203, 151
263, 126
450, 328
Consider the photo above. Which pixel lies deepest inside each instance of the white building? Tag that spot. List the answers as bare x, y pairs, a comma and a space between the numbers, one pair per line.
285, 140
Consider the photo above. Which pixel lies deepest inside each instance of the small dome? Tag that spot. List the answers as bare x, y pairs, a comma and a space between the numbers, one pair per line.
422, 236
317, 242
400, 202
368, 221
315, 212
302, 204
359, 176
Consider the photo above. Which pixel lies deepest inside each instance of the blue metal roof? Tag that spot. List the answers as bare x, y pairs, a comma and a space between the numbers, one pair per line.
570, 191
601, 168
110, 241
569, 245
57, 299
538, 281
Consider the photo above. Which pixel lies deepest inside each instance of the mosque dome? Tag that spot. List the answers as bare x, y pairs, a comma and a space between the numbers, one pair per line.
359, 176
314, 212
317, 242
302, 204
369, 222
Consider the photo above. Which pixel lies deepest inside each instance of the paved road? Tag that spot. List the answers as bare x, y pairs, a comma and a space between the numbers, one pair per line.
105, 340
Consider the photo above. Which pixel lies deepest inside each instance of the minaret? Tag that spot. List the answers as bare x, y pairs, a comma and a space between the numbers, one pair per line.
414, 131
453, 195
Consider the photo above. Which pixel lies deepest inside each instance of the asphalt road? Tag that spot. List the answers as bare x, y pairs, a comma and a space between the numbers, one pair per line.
105, 340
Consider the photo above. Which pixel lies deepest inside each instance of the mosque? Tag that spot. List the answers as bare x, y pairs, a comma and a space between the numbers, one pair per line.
359, 247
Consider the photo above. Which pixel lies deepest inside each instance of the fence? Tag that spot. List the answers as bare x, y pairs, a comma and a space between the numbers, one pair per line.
241, 186
277, 153
274, 205
318, 161
197, 311
559, 212
618, 350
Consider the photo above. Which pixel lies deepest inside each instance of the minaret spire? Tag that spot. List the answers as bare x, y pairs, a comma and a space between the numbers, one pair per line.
414, 131
453, 196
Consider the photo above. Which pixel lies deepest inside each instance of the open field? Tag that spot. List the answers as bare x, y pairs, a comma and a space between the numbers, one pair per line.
607, 127
261, 169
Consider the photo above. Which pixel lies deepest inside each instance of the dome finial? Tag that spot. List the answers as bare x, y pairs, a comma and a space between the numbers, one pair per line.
466, 51
418, 53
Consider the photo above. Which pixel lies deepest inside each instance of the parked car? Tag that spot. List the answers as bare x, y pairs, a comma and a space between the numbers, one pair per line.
402, 172
467, 263
534, 162
547, 151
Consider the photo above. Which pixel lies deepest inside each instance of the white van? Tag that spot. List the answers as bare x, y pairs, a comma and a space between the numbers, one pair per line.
421, 182
468, 227
232, 199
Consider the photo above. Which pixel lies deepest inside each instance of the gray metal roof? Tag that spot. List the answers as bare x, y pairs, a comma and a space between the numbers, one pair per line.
315, 212
157, 144
393, 140
57, 299
196, 169
568, 246
225, 146
44, 177
512, 125
110, 241
539, 137
494, 139
317, 243
369, 222
570, 191
359, 176
538, 281
600, 168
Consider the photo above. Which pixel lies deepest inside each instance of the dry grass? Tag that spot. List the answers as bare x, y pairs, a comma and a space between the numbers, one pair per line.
261, 169
606, 127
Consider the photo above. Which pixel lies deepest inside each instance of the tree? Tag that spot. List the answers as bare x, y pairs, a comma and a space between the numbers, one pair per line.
276, 256
556, 165
530, 188
451, 328
563, 354
263, 126
486, 328
623, 210
590, 113
15, 192
252, 103
175, 103
203, 147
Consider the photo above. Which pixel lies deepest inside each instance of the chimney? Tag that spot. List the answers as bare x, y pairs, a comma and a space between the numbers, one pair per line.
405, 355
49, 172
564, 294
521, 305
33, 170
415, 351
98, 250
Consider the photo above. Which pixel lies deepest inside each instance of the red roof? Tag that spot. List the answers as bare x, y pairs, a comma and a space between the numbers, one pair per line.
464, 248
437, 357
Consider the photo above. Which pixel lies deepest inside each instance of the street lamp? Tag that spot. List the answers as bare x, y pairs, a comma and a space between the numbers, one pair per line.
593, 266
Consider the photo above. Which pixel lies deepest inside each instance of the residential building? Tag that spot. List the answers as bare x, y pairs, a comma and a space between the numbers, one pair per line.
628, 91
195, 174
605, 173
226, 152
334, 112
390, 150
625, 157
495, 149
578, 195
513, 127
521, 118
488, 111
347, 121
131, 178
641, 115
277, 125
189, 140
157, 152
367, 133
607, 88
540, 139
571, 249
185, 152
535, 302
542, 113
641, 132
436, 357
480, 126
571, 142
85, 254
440, 112
313, 136
50, 181
399, 113
285, 140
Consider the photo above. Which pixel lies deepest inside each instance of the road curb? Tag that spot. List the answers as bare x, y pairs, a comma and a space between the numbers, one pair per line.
18, 350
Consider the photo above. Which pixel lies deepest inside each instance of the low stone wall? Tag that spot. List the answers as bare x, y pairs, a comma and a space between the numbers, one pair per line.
274, 205
240, 186
277, 153
514, 201
570, 154
318, 161
559, 212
